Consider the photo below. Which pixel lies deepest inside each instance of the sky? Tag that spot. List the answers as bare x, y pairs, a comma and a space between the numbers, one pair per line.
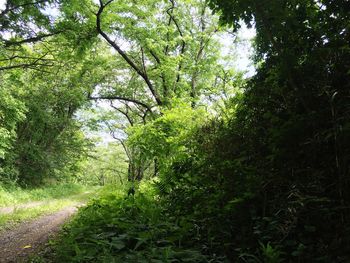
2, 4
243, 49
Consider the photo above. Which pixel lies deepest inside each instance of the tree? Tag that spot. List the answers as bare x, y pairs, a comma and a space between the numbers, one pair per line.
105, 165
46, 140
168, 45
166, 51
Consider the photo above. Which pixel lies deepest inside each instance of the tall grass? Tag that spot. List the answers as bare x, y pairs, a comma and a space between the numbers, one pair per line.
15, 195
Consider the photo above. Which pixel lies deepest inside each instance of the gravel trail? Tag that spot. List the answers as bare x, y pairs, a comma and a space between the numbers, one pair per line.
17, 244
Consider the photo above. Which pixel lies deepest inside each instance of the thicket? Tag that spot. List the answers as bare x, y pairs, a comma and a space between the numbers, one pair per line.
274, 177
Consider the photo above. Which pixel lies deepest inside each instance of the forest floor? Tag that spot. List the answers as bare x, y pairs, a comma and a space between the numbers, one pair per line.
25, 238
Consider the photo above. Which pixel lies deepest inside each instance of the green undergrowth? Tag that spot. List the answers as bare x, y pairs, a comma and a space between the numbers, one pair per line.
14, 195
119, 228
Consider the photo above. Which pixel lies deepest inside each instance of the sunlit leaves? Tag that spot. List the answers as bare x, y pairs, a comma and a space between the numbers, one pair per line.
166, 137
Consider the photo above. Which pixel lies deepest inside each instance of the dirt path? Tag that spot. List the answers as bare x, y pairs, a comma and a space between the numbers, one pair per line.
29, 237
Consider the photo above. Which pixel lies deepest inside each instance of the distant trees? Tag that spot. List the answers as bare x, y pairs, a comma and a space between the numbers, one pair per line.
106, 164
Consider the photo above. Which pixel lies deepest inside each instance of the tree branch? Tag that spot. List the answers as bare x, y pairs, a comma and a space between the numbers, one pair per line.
162, 76
8, 43
27, 65
138, 70
112, 97
183, 44
123, 112
8, 9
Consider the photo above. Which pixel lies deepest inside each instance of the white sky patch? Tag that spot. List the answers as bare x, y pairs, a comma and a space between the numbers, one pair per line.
237, 49
51, 10
2, 4
245, 50
7, 35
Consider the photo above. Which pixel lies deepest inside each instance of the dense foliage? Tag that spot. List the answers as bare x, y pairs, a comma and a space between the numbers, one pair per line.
293, 126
